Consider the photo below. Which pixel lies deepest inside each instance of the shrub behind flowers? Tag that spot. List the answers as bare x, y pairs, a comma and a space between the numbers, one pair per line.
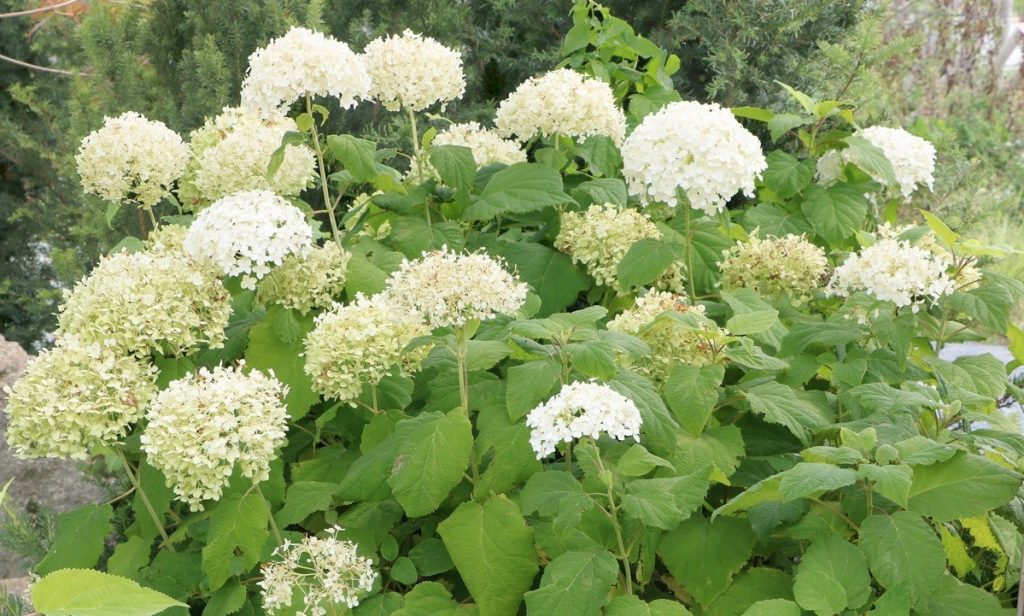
680, 376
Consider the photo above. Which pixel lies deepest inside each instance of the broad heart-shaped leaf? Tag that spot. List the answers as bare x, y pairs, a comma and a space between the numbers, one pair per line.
832, 576
772, 219
432, 462
129, 557
963, 486
750, 587
268, 352
238, 530
664, 502
785, 175
954, 598
644, 262
81, 534
658, 431
550, 274
773, 607
574, 584
836, 212
600, 191
528, 385
507, 444
692, 392
704, 554
781, 405
456, 167
814, 478
871, 159
356, 155
903, 550
304, 498
492, 548
891, 481
427, 599
555, 493
83, 592
518, 189
631, 605
988, 303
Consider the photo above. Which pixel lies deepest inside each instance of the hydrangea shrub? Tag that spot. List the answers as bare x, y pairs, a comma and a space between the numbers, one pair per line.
616, 355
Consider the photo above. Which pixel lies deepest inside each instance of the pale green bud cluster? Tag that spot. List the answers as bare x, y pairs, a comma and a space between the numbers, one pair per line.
306, 282
774, 266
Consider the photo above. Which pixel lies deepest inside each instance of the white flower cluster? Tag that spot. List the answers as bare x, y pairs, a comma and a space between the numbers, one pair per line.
359, 344
602, 235
582, 409
896, 271
324, 570
788, 265
167, 240
912, 158
247, 233
74, 398
561, 102
231, 153
300, 63
306, 282
201, 425
698, 148
488, 147
449, 289
142, 302
413, 72
131, 159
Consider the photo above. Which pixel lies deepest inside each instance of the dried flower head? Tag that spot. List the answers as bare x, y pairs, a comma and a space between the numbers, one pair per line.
788, 265
413, 72
579, 410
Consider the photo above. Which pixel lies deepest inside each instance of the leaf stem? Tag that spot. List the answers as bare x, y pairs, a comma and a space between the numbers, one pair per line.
145, 499
270, 516
328, 204
613, 514
688, 252
418, 161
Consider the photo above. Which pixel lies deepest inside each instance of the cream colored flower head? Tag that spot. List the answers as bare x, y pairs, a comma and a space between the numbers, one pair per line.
131, 160
143, 302
303, 63
896, 271
306, 282
167, 240
788, 265
205, 424
247, 234
324, 571
601, 236
413, 72
561, 102
912, 158
232, 152
359, 344
449, 289
697, 148
582, 409
76, 398
487, 146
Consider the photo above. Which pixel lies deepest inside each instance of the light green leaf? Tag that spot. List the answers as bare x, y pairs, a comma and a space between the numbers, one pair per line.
921, 450
551, 274
637, 462
832, 576
836, 212
811, 479
574, 584
529, 384
238, 530
939, 228
83, 592
692, 392
871, 159
129, 557
779, 404
356, 155
644, 262
518, 189
954, 598
891, 481
456, 167
705, 554
750, 323
664, 502
81, 535
431, 462
600, 191
786, 175
903, 550
268, 352
228, 599
773, 607
963, 486
304, 498
428, 599
631, 605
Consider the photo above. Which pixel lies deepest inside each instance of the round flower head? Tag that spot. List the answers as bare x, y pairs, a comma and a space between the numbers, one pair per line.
700, 149
131, 159
303, 63
359, 344
323, 571
896, 271
912, 158
413, 72
487, 146
602, 235
449, 289
304, 283
676, 332
965, 275
561, 102
167, 240
247, 233
788, 265
579, 410
74, 398
231, 153
141, 302
203, 424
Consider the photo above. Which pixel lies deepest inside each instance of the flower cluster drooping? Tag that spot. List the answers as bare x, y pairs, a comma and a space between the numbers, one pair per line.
788, 265
76, 397
676, 331
304, 283
896, 271
579, 410
912, 158
322, 570
602, 235
302, 63
131, 159
413, 72
448, 289
203, 424
700, 149
232, 152
359, 343
247, 233
561, 102
141, 302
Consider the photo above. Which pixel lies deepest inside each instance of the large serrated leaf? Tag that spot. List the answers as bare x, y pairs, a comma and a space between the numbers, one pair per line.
83, 592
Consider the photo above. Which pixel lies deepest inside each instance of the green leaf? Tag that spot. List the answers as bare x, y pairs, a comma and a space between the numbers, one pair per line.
813, 479
456, 167
805, 101
705, 554
753, 113
507, 443
664, 502
871, 159
550, 274
268, 352
238, 530
785, 175
81, 535
939, 228
552, 493
154, 484
593, 358
779, 404
601, 191
356, 155
954, 598
601, 155
752, 586
403, 571
836, 212
807, 332
903, 550
518, 189
659, 428
782, 123
492, 548
428, 599
529, 384
82, 592
832, 576
129, 557
431, 462
431, 557
644, 262
750, 323
891, 481
304, 498
228, 599
919, 450
692, 392
574, 584
963, 486
773, 607
988, 303
772, 219
631, 605
637, 462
